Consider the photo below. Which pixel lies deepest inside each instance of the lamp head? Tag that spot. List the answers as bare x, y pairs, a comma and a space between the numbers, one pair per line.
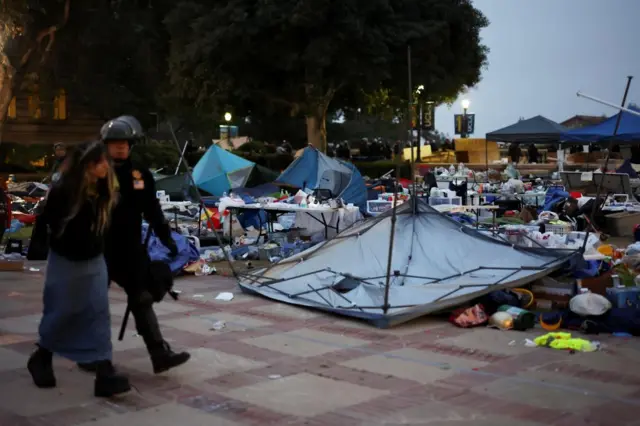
227, 117
466, 103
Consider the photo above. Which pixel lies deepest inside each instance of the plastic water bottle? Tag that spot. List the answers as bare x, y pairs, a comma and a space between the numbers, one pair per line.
224, 194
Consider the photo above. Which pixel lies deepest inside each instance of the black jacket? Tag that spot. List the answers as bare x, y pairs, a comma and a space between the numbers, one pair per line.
78, 241
137, 199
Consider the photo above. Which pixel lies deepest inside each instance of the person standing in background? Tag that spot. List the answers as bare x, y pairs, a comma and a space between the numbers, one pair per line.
5, 210
60, 153
515, 153
532, 153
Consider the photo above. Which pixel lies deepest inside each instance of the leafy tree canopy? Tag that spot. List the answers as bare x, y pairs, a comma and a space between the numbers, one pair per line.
303, 55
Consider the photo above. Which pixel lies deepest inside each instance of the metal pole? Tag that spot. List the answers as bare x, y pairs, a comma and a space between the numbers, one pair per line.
606, 162
184, 149
464, 124
600, 101
206, 211
419, 121
392, 233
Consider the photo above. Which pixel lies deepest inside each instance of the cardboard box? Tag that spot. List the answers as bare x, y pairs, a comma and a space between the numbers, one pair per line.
11, 265
621, 224
597, 285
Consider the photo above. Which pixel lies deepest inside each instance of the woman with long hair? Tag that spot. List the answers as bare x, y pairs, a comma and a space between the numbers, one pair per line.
75, 321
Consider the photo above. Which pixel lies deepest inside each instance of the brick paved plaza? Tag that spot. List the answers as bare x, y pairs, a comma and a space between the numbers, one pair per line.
274, 364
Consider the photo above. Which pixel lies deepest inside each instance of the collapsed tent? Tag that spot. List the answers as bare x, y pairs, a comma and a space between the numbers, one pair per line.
436, 264
177, 187
628, 131
220, 171
314, 170
27, 189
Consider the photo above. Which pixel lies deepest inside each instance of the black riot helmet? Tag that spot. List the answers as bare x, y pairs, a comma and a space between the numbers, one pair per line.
123, 128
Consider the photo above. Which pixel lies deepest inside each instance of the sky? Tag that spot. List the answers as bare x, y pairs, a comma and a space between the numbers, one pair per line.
543, 52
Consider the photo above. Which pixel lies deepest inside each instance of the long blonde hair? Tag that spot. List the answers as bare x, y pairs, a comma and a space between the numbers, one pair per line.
78, 187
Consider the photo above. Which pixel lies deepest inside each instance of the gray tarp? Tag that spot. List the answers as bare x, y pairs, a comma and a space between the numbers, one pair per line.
437, 264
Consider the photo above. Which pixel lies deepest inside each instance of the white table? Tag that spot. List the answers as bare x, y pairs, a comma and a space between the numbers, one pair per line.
313, 218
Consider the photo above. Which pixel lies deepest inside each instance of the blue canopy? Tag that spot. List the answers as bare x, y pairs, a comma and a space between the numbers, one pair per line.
315, 170
629, 130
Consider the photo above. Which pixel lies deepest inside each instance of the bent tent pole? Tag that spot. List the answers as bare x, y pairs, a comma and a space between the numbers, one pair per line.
600, 101
606, 161
181, 157
227, 256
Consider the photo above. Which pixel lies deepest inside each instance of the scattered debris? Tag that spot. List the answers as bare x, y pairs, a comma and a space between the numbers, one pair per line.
225, 296
218, 325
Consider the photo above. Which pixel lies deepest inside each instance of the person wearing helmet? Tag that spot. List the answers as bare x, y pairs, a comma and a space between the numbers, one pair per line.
127, 258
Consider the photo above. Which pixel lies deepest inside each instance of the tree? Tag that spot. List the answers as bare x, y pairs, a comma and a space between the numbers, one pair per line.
112, 57
302, 55
28, 31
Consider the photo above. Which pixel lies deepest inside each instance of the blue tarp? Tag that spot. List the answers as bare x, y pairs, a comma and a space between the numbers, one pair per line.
314, 170
629, 130
554, 195
187, 252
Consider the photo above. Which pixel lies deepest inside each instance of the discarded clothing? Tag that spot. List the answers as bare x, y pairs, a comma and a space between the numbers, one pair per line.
562, 340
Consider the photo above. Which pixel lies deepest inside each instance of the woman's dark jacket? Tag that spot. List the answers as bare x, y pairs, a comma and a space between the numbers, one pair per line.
78, 240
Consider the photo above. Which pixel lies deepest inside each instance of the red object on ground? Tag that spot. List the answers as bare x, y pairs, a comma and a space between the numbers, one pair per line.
214, 220
575, 194
27, 219
405, 182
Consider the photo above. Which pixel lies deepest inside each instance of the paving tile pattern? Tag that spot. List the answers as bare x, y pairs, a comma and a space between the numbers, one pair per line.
275, 364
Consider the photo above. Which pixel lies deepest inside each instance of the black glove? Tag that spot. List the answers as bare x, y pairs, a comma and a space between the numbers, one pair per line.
173, 248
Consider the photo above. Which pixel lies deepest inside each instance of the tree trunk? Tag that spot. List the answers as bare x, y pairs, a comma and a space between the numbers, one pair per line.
7, 74
317, 127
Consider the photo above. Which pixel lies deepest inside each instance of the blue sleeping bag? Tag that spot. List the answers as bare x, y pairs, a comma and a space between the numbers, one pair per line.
187, 251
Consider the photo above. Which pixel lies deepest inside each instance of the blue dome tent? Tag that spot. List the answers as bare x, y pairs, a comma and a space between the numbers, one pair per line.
315, 170
220, 171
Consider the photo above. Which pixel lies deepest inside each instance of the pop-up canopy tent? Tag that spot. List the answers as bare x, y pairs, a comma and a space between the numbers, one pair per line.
436, 264
315, 170
219, 171
537, 129
628, 131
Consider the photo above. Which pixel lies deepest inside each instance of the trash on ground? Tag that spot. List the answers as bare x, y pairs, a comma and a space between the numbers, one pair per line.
225, 296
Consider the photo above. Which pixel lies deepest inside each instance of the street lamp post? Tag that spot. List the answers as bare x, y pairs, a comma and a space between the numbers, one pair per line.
465, 126
227, 118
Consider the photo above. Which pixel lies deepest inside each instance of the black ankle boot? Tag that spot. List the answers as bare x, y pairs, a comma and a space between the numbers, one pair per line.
163, 358
109, 383
40, 366
88, 367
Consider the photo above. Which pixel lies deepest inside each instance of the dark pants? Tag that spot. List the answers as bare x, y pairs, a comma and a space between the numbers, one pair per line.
131, 278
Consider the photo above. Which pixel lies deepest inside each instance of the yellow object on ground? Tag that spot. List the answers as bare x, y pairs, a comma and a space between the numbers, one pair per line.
606, 249
562, 340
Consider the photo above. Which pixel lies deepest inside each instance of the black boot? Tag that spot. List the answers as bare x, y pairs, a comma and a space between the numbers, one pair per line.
163, 358
88, 367
109, 383
40, 366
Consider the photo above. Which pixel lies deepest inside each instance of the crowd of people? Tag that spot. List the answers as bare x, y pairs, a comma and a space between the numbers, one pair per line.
92, 223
